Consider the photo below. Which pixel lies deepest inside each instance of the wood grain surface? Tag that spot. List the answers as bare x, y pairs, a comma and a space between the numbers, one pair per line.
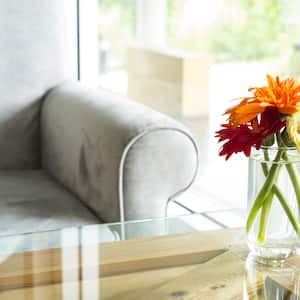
190, 266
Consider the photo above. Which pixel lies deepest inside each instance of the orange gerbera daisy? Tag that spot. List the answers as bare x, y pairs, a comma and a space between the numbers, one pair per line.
284, 95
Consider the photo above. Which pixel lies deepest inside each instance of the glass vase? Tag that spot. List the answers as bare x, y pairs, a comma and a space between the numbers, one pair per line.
273, 203
263, 282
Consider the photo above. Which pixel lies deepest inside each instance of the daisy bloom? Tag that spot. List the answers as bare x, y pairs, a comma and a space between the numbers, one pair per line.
242, 137
281, 94
293, 127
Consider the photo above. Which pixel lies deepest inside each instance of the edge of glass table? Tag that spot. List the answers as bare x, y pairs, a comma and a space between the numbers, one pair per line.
112, 232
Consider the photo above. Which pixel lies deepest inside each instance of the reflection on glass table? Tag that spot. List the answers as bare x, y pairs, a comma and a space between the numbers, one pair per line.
265, 282
95, 234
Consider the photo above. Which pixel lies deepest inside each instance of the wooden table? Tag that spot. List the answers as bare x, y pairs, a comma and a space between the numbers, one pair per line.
199, 265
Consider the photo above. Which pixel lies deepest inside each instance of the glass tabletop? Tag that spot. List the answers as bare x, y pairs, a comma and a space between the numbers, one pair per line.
208, 261
112, 232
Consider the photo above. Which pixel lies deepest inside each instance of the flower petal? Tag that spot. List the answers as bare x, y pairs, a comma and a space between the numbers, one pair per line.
292, 129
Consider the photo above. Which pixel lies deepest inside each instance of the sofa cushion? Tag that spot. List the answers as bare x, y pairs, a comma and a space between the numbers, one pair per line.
36, 54
31, 201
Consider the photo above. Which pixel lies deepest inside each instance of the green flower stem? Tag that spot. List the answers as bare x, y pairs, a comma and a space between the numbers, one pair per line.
287, 210
294, 178
292, 172
264, 165
265, 212
281, 199
264, 192
266, 206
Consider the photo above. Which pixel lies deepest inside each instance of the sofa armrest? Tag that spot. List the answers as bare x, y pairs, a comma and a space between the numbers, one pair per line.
122, 159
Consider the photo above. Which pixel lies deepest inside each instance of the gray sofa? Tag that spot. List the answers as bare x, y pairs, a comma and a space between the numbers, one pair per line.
70, 155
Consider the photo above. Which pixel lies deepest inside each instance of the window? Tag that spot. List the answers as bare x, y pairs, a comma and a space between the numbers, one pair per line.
188, 58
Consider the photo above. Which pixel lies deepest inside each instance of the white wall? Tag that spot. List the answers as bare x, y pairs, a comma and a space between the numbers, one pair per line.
70, 26
151, 23
89, 42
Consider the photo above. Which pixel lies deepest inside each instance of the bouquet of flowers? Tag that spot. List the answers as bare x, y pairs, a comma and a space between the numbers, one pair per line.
270, 116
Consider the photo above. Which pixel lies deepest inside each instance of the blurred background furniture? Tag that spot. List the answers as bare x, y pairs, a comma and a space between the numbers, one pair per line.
172, 82
70, 155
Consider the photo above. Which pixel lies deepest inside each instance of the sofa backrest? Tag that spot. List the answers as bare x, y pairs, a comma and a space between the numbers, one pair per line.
37, 51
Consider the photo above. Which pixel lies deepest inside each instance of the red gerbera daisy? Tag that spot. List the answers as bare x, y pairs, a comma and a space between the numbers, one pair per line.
242, 137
